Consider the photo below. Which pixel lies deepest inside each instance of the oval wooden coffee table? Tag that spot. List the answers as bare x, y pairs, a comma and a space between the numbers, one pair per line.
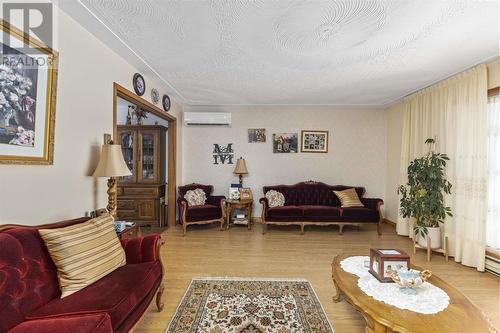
460, 315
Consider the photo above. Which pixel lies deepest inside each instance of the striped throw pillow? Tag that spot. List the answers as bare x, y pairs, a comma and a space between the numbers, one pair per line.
83, 253
348, 198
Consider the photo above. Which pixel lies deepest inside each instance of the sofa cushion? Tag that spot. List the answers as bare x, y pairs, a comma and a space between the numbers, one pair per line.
203, 212
321, 212
360, 214
88, 323
196, 197
117, 294
348, 198
84, 252
275, 198
285, 212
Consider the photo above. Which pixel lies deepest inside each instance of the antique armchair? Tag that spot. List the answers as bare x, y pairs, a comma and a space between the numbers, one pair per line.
211, 212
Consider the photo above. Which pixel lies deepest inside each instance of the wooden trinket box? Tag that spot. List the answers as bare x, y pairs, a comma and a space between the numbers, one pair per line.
384, 260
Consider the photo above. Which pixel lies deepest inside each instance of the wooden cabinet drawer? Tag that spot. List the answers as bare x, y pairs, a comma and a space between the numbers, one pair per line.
141, 191
139, 209
126, 204
127, 215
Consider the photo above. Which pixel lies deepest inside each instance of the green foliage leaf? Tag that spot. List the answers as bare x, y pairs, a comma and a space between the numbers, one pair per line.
422, 197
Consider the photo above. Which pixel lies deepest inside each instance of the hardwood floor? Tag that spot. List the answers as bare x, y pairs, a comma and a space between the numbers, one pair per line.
283, 252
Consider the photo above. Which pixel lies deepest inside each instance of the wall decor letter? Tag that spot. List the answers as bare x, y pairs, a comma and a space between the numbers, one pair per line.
223, 154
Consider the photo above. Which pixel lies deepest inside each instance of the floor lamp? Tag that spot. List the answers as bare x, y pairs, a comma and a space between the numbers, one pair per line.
112, 165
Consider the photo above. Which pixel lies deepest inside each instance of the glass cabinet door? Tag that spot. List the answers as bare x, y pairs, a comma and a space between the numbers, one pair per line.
148, 165
127, 139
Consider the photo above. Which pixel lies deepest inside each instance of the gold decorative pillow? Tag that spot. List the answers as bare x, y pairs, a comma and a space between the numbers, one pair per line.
275, 198
196, 197
348, 198
83, 253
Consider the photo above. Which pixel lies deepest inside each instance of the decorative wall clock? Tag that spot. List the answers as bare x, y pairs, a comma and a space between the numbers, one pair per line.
155, 96
166, 102
139, 84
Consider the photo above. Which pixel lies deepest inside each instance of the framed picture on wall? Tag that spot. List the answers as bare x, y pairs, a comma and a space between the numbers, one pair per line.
256, 135
28, 77
246, 193
285, 143
314, 141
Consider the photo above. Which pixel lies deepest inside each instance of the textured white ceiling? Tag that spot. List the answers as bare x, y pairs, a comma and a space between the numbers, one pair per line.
264, 52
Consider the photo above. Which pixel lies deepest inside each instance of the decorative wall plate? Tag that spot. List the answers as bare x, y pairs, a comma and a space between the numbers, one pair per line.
155, 96
166, 102
139, 84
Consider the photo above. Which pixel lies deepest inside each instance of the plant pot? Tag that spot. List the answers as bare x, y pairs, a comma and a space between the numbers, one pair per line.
411, 224
434, 234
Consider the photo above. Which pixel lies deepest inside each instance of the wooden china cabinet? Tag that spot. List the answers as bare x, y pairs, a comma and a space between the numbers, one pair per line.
139, 195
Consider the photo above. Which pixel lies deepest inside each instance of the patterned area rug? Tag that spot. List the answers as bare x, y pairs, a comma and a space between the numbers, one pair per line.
238, 305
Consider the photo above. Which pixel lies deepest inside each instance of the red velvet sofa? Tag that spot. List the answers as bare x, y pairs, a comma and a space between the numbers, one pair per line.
211, 212
314, 203
29, 289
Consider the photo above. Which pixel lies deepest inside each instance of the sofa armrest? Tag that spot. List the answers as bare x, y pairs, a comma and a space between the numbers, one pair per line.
216, 200
142, 249
78, 323
180, 201
372, 203
265, 205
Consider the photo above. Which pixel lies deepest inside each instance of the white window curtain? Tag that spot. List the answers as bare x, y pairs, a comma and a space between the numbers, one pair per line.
455, 113
493, 219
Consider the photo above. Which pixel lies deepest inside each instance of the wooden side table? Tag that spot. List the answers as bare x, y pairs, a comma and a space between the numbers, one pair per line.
239, 204
130, 232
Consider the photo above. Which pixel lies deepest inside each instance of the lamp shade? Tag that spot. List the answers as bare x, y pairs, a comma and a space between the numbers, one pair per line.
241, 167
111, 163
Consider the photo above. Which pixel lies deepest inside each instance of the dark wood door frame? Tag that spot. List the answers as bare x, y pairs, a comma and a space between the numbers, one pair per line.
120, 91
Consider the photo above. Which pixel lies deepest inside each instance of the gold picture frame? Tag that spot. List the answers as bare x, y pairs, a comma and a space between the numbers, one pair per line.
246, 193
35, 151
313, 141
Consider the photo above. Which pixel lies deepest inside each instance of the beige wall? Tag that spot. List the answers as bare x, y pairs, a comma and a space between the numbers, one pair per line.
394, 116
87, 70
356, 153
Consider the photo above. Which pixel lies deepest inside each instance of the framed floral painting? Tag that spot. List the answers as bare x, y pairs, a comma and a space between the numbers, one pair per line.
27, 98
314, 142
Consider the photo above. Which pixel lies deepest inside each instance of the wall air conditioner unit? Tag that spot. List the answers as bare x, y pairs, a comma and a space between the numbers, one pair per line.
207, 118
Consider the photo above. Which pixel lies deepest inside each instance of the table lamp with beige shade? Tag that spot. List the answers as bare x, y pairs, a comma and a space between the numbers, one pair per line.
112, 165
241, 169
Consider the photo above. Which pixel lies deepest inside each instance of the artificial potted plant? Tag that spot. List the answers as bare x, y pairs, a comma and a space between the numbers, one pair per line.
422, 197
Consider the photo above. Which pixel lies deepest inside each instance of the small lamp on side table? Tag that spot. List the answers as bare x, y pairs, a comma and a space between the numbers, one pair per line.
112, 165
241, 169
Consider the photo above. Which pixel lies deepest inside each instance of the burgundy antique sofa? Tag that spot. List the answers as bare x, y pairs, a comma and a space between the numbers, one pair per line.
211, 212
314, 203
29, 289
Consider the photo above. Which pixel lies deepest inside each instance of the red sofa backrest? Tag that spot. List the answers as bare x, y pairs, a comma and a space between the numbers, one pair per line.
28, 277
312, 193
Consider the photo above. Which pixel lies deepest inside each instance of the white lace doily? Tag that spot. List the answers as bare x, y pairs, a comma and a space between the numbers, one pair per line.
428, 300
